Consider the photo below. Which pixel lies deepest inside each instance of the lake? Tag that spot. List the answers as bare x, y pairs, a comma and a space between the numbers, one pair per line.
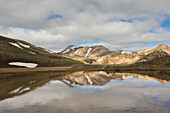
85, 92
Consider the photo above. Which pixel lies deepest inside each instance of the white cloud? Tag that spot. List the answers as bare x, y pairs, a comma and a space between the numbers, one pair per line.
84, 20
40, 37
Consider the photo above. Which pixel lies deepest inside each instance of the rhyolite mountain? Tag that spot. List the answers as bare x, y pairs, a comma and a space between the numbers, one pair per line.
102, 55
12, 50
86, 52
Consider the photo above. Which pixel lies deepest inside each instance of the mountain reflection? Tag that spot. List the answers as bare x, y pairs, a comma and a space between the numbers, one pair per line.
18, 85
101, 78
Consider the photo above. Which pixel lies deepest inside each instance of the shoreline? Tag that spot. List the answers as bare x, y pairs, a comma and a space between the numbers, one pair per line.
18, 71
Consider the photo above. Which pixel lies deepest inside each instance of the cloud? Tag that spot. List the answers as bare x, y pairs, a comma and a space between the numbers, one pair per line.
130, 91
55, 24
40, 37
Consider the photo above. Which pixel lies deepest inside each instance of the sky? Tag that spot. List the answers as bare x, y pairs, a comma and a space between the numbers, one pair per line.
116, 24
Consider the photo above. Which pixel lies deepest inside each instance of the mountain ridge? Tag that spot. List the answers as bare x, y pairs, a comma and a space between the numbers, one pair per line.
13, 51
101, 55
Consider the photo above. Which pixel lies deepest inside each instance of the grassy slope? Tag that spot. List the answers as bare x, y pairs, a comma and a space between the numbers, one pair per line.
10, 53
162, 62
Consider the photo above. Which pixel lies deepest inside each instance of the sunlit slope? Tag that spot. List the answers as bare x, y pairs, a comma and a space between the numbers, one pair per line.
102, 55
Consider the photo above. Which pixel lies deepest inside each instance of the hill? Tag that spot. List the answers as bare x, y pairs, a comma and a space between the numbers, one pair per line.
17, 52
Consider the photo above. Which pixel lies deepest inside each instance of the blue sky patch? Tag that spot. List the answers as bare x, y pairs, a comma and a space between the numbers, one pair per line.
54, 16
26, 27
154, 44
129, 21
152, 31
88, 89
87, 42
166, 24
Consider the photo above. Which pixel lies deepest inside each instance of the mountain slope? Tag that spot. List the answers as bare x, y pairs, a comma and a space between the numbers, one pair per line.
95, 54
86, 52
159, 62
12, 50
154, 53
160, 47
102, 55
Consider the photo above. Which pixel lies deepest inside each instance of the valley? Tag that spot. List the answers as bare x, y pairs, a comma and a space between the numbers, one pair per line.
19, 57
84, 56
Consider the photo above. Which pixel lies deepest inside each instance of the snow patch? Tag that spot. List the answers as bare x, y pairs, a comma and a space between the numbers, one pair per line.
66, 81
15, 44
70, 49
32, 81
73, 47
15, 91
54, 82
107, 75
89, 80
80, 52
88, 51
25, 89
123, 52
73, 81
66, 51
124, 77
28, 65
24, 45
32, 52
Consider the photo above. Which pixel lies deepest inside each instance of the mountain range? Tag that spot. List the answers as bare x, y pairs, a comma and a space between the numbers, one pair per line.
102, 55
18, 53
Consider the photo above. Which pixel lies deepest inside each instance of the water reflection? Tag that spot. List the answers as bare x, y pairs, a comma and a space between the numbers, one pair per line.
101, 78
84, 92
18, 85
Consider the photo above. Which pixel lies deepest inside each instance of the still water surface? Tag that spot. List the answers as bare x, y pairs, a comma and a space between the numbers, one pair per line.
84, 92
